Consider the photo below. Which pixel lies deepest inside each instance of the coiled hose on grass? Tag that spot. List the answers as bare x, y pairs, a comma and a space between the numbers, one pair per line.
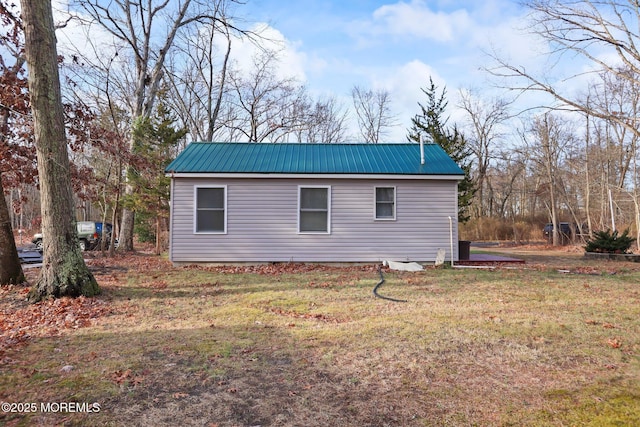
375, 290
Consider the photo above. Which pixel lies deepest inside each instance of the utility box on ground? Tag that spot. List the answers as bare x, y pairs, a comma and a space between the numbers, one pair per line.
464, 249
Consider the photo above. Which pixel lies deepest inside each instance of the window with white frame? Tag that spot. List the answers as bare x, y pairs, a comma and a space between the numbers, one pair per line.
211, 210
314, 209
385, 203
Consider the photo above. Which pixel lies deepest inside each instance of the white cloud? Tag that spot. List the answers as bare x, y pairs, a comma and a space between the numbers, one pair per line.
291, 62
405, 84
416, 19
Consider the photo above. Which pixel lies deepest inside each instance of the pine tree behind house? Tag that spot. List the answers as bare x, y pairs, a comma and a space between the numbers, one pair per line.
431, 126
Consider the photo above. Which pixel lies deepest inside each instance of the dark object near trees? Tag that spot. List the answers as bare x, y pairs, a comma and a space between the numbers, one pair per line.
566, 232
565, 228
609, 242
28, 256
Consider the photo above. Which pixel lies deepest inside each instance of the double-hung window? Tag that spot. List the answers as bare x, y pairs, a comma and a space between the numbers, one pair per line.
386, 203
211, 210
314, 209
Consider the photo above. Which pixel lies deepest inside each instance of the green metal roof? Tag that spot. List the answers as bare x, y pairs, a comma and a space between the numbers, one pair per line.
276, 158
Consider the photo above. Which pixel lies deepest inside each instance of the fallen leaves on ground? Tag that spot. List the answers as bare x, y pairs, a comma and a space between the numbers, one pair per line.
614, 342
278, 268
126, 377
19, 321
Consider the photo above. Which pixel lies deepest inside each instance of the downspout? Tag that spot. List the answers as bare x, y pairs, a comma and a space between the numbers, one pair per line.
451, 238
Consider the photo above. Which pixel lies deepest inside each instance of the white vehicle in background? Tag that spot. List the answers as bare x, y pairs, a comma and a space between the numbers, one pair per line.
89, 235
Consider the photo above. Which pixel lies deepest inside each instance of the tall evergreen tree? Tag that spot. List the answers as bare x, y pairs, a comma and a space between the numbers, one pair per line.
155, 145
431, 125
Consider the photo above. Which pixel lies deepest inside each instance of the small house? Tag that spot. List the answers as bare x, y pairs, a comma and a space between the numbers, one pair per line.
272, 202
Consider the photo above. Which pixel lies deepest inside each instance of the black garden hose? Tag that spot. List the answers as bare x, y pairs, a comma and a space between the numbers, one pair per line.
375, 290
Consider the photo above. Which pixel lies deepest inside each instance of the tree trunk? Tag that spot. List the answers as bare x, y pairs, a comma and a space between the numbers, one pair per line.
158, 236
63, 272
10, 268
587, 178
125, 238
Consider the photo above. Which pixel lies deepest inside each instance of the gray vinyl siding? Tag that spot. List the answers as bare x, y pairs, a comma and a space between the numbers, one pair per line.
262, 222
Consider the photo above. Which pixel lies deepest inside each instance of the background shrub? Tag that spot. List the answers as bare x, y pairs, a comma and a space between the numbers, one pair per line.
609, 242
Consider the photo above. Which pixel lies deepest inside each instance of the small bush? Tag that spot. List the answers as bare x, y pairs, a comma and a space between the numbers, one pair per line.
610, 243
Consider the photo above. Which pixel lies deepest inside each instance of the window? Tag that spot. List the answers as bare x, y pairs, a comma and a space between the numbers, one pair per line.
314, 207
211, 214
385, 203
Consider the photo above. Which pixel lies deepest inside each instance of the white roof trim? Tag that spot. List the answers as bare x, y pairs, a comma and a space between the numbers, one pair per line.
314, 175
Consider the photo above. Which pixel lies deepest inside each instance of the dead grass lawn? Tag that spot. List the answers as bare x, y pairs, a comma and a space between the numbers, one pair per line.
553, 342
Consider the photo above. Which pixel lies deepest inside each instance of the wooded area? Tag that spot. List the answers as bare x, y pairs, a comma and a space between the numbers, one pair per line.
154, 76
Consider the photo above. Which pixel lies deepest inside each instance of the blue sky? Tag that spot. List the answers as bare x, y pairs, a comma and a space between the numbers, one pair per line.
332, 45
393, 45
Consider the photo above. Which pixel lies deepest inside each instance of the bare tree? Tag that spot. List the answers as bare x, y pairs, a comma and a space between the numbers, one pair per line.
373, 110
136, 27
215, 101
588, 29
485, 120
613, 151
619, 94
197, 73
503, 179
266, 108
63, 272
325, 122
605, 35
547, 148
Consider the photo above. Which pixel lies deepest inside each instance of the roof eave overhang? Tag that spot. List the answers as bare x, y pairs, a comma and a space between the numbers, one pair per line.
447, 177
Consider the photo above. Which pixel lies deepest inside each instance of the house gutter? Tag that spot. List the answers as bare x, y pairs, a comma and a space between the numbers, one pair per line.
219, 175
